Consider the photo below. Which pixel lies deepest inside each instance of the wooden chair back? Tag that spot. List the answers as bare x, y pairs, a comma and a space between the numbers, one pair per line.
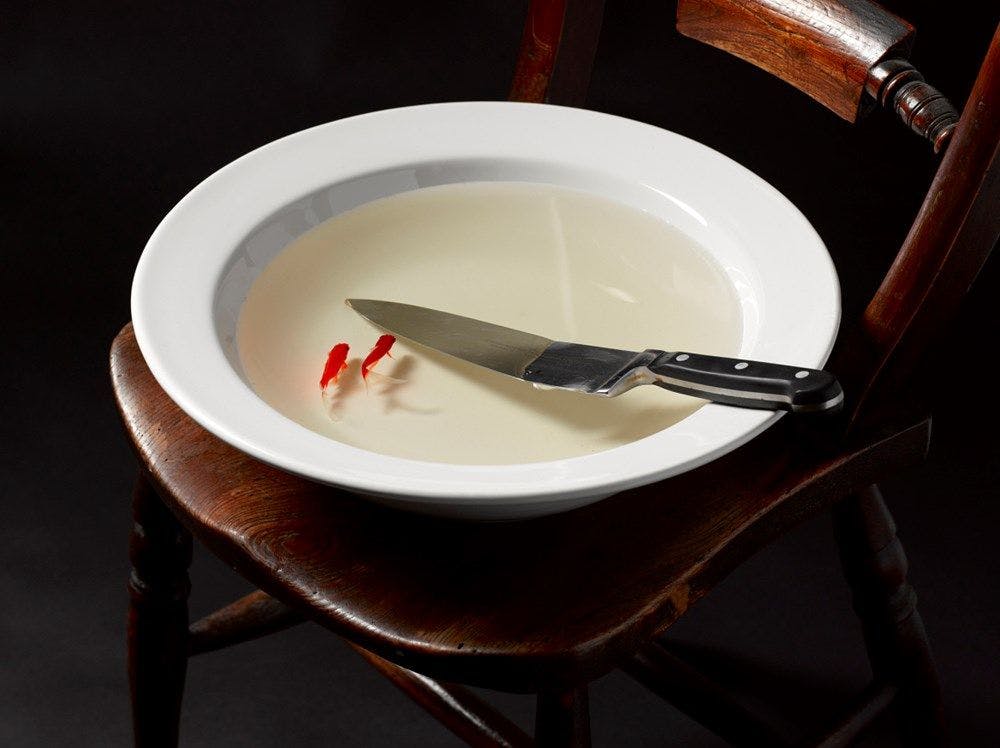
850, 56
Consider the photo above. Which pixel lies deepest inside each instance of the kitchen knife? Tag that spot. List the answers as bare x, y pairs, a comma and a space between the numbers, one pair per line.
606, 371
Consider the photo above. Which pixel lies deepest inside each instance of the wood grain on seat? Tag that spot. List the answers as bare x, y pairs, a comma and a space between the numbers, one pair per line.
518, 606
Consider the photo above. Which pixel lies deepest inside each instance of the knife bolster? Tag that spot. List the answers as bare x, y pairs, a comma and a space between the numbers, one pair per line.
590, 369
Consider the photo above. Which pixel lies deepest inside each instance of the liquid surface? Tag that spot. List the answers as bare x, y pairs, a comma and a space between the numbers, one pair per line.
547, 260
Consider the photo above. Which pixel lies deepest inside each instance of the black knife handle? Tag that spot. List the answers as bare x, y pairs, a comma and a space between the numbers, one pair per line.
748, 384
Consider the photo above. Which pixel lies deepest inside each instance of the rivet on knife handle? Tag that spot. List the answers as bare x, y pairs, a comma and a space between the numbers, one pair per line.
746, 383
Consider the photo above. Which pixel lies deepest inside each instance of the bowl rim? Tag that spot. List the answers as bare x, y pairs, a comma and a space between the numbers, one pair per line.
179, 271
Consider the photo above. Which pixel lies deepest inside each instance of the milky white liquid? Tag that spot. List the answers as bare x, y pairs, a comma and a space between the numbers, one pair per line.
555, 262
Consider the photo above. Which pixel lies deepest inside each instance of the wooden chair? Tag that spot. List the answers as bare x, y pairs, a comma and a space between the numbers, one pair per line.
547, 605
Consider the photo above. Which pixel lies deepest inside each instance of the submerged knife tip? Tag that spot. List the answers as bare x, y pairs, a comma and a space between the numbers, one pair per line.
358, 304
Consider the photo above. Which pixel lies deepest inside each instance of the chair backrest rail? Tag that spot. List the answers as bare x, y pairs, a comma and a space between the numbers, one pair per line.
825, 48
947, 245
855, 53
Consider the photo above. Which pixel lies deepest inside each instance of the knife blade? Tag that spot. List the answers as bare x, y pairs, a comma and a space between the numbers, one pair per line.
608, 372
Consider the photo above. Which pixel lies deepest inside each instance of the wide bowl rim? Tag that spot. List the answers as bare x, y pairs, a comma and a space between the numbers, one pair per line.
169, 320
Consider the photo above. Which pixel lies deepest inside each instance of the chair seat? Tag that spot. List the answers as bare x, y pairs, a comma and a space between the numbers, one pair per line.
516, 606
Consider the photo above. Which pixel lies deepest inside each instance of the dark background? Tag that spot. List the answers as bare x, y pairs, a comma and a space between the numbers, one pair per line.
109, 114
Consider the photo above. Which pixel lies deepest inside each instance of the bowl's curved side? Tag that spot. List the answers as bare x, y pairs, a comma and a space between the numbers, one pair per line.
779, 266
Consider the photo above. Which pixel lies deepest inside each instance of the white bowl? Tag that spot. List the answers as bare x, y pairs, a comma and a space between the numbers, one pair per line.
197, 268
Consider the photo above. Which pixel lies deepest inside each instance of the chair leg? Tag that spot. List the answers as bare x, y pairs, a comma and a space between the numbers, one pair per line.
875, 566
160, 552
562, 719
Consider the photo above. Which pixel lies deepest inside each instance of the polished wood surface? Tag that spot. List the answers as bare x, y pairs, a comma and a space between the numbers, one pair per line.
546, 605
248, 618
557, 51
543, 30
899, 87
875, 567
825, 48
950, 240
518, 606
958, 223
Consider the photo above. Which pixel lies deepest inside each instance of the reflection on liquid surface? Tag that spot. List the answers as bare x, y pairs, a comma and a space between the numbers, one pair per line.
548, 260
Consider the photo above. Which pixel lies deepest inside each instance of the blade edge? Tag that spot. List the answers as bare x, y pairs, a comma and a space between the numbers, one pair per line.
502, 349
